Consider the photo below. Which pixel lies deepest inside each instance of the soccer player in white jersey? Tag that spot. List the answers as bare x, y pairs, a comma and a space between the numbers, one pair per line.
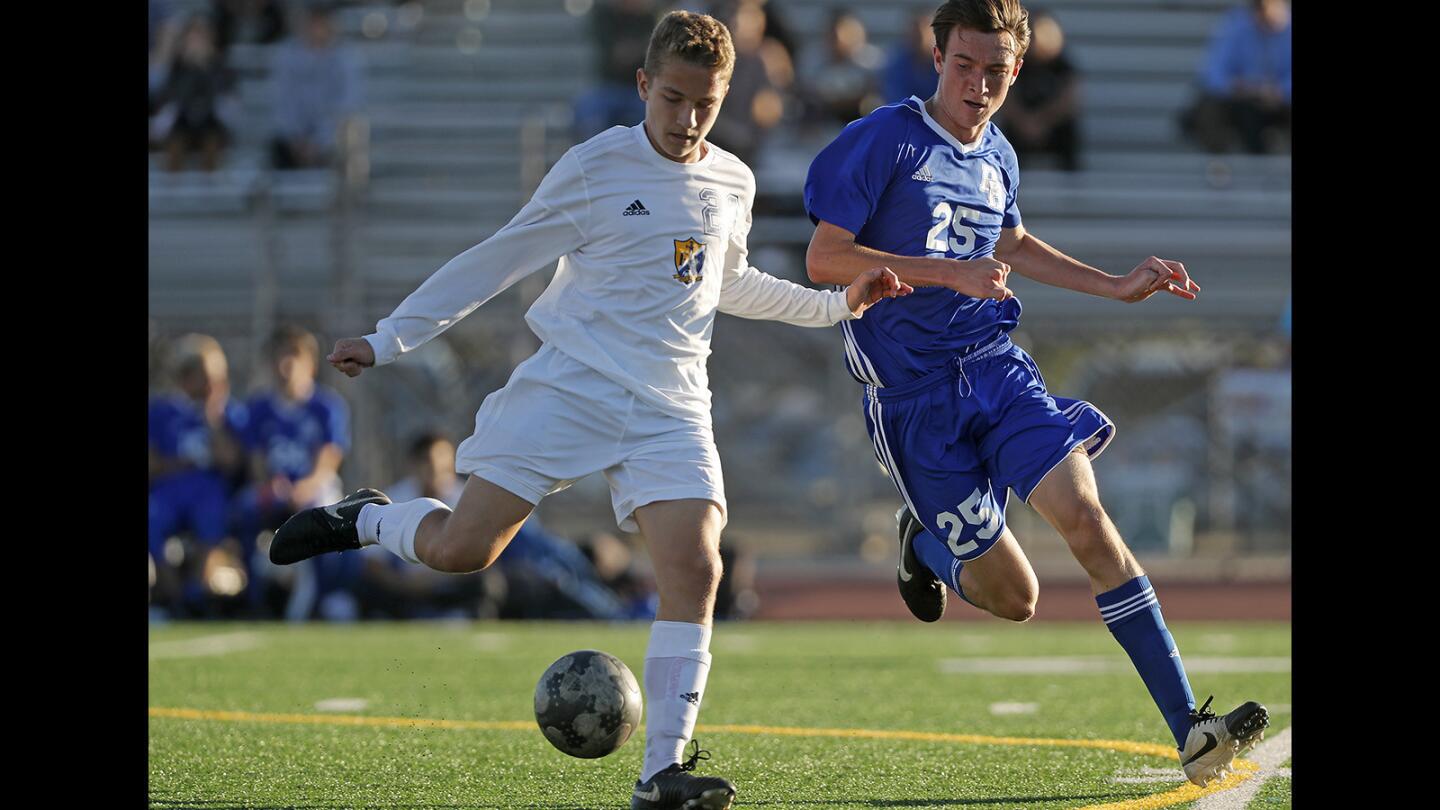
958, 414
649, 224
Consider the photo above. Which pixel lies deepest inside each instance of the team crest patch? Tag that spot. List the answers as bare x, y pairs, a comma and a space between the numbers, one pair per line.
689, 261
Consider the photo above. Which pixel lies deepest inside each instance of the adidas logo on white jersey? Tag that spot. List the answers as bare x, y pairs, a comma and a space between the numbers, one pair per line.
923, 175
636, 209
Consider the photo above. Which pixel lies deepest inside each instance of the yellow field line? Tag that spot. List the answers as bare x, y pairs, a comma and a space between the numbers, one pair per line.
1244, 769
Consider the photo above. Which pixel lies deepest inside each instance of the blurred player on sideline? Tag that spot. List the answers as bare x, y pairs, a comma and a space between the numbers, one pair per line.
195, 454
959, 414
649, 224
297, 436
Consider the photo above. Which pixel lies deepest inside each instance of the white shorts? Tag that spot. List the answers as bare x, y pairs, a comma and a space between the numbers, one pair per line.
558, 420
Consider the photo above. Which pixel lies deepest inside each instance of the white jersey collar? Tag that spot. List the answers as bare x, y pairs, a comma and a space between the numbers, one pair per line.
965, 148
660, 160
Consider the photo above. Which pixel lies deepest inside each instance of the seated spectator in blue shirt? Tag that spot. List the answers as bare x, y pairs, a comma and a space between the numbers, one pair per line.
839, 82
297, 436
195, 455
620, 30
910, 64
317, 88
298, 432
1245, 82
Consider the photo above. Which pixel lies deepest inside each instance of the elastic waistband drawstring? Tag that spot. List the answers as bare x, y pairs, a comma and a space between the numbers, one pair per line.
954, 368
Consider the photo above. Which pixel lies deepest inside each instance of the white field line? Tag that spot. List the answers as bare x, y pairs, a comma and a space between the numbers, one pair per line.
221, 644
1014, 708
341, 704
1090, 665
1268, 755
491, 642
734, 642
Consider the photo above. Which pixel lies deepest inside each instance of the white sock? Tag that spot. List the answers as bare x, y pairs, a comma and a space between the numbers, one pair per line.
677, 663
393, 525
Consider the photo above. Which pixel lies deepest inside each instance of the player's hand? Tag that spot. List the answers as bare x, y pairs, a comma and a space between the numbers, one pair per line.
982, 278
873, 285
1152, 276
352, 356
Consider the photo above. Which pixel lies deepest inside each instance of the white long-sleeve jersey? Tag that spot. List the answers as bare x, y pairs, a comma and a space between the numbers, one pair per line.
649, 249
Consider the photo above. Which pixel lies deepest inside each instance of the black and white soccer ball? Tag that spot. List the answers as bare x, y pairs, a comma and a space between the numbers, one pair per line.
588, 704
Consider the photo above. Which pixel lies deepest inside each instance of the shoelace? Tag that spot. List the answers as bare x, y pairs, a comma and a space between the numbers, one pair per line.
1203, 713
695, 756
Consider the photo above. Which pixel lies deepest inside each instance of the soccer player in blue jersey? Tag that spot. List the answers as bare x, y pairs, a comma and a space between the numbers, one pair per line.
194, 452
297, 436
958, 414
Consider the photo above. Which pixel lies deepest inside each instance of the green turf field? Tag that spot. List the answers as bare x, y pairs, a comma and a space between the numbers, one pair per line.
439, 716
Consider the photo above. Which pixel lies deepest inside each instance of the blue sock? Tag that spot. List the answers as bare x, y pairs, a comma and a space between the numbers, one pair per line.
936, 556
1132, 612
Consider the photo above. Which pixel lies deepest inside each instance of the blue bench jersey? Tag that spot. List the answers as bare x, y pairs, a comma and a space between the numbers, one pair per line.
902, 184
291, 435
177, 429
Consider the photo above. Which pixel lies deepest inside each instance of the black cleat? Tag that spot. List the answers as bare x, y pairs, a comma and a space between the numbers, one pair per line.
675, 788
922, 591
323, 528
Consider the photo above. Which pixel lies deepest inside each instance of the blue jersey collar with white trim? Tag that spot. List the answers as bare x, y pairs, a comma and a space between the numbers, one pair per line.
965, 148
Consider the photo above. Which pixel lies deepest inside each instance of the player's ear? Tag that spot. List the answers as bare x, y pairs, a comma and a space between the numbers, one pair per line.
938, 58
642, 84
1016, 73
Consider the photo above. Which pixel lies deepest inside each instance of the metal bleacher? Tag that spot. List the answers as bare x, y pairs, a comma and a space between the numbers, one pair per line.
449, 97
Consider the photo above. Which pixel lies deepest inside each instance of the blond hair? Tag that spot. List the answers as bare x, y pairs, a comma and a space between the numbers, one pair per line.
695, 38
191, 352
987, 16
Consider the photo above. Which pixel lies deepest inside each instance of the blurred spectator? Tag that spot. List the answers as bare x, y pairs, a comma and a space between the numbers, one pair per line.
1245, 82
1040, 116
317, 87
297, 436
194, 456
762, 78
196, 102
549, 577
621, 33
389, 587
736, 598
256, 22
840, 83
164, 34
910, 64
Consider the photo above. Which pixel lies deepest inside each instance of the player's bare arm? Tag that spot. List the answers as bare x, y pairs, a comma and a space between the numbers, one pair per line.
352, 356
834, 258
1034, 259
873, 286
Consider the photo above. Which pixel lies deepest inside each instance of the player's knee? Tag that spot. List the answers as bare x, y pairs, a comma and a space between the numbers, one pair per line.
1017, 606
468, 557
699, 573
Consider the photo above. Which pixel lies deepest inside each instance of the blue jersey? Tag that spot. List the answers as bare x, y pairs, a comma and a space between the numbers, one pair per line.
177, 429
290, 435
902, 184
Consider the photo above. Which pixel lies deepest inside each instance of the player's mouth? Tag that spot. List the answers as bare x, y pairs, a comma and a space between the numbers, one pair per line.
976, 105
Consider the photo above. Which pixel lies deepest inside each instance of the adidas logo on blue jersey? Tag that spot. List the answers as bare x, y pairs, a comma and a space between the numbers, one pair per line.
923, 174
636, 209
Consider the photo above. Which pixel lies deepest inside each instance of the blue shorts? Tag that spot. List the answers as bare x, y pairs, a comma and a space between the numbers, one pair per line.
955, 440
195, 500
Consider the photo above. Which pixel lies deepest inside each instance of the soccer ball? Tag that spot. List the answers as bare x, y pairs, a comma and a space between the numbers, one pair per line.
588, 703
